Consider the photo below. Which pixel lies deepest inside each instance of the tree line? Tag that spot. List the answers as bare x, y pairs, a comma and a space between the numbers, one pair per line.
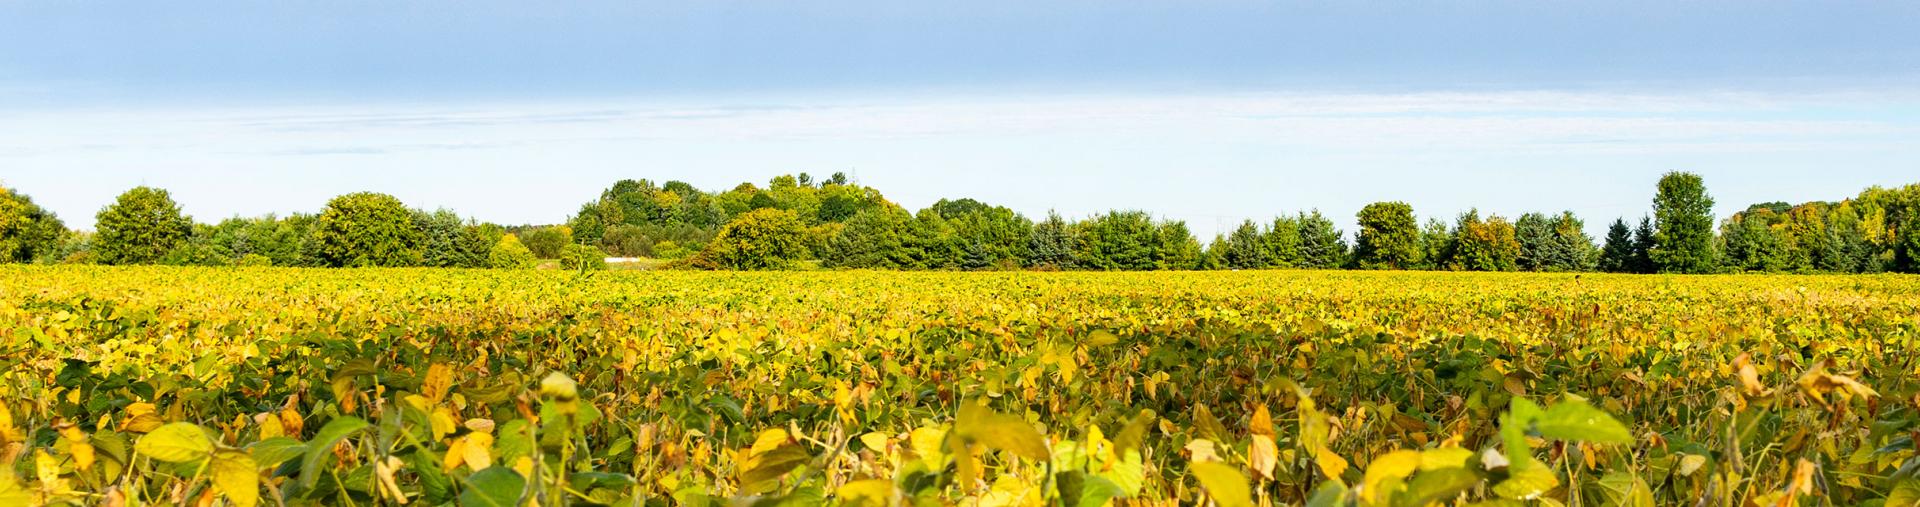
798, 221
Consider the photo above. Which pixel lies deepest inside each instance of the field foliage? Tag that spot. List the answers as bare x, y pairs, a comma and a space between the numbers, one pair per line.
267, 386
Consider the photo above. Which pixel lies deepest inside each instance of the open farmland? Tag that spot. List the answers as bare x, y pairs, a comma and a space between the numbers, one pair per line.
138, 385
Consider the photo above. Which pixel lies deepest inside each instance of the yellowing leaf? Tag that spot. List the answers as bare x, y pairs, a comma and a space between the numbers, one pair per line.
237, 477
175, 443
1394, 465
1223, 483
867, 493
1261, 423
979, 424
439, 378
1262, 456
478, 451
79, 446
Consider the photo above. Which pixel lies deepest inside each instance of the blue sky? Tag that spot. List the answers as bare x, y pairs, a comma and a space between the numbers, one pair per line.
1207, 111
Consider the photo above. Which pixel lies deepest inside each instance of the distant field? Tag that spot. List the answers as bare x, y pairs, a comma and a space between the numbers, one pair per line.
858, 388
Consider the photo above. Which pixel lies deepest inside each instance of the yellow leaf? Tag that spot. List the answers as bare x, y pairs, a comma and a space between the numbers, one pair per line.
1223, 483
1331, 464
442, 422
237, 477
479, 450
79, 446
439, 378
1394, 465
175, 443
876, 441
978, 424
1201, 449
45, 467
926, 443
1444, 458
1262, 422
456, 454
1262, 456
769, 440
870, 492
269, 426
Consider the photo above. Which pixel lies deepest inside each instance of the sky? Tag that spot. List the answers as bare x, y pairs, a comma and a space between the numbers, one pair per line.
1207, 111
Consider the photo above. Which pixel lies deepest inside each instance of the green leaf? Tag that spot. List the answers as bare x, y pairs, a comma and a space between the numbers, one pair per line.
493, 487
175, 443
237, 476
1225, 484
274, 451
1575, 420
1329, 494
1096, 491
322, 445
1433, 486
1513, 433
1135, 432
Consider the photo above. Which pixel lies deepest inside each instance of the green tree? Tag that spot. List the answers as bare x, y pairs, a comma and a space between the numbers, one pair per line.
874, 238
1750, 242
1283, 242
1246, 248
447, 241
1118, 240
1643, 241
1322, 246
368, 229
1536, 239
140, 227
759, 239
1436, 244
509, 253
198, 250
987, 236
1683, 220
1053, 244
1617, 255
1907, 260
1483, 245
1177, 247
27, 231
547, 242
1389, 237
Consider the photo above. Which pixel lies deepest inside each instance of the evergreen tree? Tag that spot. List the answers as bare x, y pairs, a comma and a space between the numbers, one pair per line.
1617, 255
1283, 241
1052, 244
1246, 248
1643, 241
1322, 246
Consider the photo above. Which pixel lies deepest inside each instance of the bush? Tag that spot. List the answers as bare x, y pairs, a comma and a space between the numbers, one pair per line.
141, 227
548, 242
253, 260
582, 257
368, 229
508, 253
760, 239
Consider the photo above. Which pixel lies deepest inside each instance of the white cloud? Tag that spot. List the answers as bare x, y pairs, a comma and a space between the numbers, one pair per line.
524, 162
